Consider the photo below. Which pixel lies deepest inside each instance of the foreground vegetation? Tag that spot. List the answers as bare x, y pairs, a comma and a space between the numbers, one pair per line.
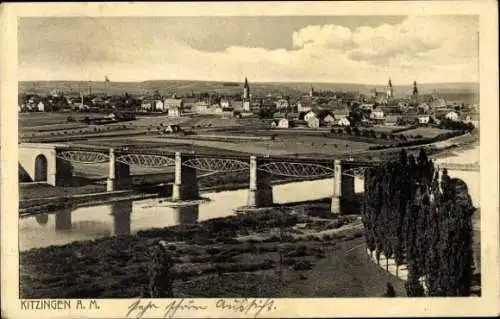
287, 251
421, 221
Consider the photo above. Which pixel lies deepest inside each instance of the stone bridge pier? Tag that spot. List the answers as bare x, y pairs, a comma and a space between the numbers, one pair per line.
185, 183
343, 188
260, 192
119, 174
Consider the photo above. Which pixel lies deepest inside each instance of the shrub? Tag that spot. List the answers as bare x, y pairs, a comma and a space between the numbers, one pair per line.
302, 265
213, 250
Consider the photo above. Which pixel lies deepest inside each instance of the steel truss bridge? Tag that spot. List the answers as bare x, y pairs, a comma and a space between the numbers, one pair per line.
211, 164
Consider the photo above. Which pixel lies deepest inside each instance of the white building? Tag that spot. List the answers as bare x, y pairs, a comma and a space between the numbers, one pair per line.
147, 105
377, 114
329, 119
309, 115
174, 111
452, 116
40, 106
159, 106
281, 104
201, 107
343, 122
246, 106
303, 107
217, 109
225, 103
173, 103
423, 119
313, 122
284, 123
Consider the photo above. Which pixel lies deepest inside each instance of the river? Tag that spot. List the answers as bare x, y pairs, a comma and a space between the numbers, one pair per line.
128, 217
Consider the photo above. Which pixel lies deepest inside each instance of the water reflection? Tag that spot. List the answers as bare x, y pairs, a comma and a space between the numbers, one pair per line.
125, 217
120, 212
63, 219
187, 214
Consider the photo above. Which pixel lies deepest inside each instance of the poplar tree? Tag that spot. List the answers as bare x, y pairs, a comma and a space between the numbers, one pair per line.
160, 272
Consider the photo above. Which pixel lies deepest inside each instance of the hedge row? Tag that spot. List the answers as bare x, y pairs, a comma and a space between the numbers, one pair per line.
348, 131
428, 140
81, 131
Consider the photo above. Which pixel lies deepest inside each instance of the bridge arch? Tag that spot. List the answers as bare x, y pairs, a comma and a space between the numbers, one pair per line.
37, 163
41, 169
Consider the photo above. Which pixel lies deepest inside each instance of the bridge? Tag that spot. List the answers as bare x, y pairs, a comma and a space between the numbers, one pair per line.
51, 163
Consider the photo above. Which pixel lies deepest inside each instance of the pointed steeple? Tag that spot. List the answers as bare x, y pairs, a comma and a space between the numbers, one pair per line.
415, 90
246, 90
390, 90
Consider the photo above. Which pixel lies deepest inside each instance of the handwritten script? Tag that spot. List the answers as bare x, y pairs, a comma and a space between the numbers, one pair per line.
171, 308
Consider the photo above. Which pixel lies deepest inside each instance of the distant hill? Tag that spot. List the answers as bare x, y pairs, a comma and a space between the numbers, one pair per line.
182, 87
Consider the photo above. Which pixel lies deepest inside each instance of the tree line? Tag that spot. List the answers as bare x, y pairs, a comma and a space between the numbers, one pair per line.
423, 221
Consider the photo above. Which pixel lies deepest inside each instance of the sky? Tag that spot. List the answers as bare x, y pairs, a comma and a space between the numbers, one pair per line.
335, 49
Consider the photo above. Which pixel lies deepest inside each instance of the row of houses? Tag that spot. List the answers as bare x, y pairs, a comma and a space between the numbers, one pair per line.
315, 119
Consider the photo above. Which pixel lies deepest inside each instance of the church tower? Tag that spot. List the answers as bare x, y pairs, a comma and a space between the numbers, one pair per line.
415, 90
390, 90
311, 92
246, 90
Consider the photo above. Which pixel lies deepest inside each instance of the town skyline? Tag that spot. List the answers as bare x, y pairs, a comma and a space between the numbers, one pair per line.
358, 50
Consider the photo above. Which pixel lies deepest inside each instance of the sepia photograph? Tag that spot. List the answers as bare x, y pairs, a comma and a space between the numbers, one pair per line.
251, 157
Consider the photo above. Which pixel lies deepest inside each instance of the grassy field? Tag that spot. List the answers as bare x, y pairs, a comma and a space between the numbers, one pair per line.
37, 119
216, 135
425, 132
236, 256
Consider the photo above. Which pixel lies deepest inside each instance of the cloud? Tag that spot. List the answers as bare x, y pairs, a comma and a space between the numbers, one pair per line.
426, 49
436, 39
332, 36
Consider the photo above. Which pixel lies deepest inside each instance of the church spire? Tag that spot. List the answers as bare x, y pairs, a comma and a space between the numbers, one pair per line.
415, 90
246, 90
390, 90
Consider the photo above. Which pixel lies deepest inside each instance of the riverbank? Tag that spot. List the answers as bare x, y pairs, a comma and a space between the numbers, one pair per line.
299, 250
43, 198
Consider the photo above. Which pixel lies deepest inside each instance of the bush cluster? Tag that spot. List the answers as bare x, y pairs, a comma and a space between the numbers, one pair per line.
370, 133
419, 140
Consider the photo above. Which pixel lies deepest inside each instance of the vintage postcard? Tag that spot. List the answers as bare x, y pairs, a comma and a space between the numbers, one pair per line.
250, 160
